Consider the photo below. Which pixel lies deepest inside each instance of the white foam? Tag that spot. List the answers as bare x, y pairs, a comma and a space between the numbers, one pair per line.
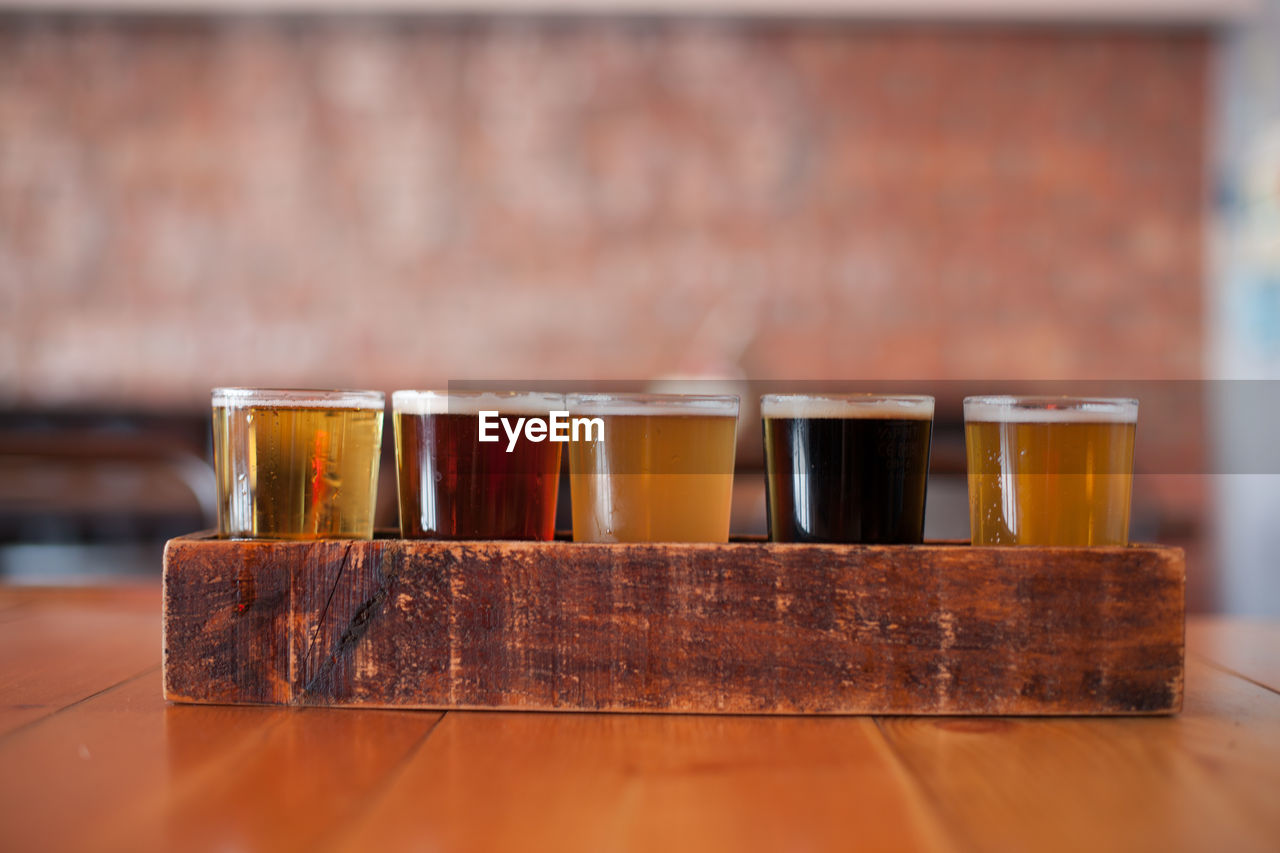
595, 405
474, 402
1050, 410
859, 406
290, 398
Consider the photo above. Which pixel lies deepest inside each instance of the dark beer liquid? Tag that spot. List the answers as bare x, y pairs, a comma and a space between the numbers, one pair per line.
859, 480
453, 486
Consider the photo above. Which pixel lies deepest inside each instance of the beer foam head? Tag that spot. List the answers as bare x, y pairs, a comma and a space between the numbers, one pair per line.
474, 402
1040, 410
861, 406
595, 405
297, 398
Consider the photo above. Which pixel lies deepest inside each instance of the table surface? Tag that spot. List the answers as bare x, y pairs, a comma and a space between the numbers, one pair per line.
93, 758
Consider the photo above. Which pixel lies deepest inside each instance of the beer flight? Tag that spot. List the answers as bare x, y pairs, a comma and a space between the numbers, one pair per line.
840, 468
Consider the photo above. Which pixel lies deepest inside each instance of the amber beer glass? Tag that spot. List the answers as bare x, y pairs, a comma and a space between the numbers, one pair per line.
296, 464
454, 486
662, 472
1050, 470
847, 468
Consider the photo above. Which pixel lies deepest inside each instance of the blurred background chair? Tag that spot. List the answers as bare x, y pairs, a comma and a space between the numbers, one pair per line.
91, 496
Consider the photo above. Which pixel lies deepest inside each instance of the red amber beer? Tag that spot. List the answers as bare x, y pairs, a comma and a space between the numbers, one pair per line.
454, 486
296, 464
1050, 470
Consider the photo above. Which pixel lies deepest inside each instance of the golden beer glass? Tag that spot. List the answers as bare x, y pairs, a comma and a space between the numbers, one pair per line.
296, 464
661, 472
1050, 470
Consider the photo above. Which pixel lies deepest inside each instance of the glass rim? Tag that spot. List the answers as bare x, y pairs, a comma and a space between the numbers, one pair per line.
850, 406
608, 403
298, 398
1045, 408
430, 402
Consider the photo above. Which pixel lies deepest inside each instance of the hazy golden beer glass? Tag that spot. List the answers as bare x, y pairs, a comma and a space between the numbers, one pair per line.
663, 471
1050, 470
296, 464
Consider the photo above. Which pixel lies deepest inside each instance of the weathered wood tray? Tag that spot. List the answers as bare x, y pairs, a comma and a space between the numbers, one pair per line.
747, 627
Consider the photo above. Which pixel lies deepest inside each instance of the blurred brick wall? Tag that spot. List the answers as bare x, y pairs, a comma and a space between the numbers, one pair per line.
394, 202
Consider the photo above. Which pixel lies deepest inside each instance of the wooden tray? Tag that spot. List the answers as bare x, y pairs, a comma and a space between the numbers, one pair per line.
748, 627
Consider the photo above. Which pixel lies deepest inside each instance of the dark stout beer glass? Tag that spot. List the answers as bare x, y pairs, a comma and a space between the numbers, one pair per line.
454, 486
846, 467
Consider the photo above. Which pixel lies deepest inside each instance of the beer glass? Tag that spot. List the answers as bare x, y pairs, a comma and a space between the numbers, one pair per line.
662, 471
296, 464
1049, 470
846, 467
452, 485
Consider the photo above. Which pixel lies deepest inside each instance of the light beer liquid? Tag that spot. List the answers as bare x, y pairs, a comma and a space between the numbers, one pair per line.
1052, 482
296, 473
655, 478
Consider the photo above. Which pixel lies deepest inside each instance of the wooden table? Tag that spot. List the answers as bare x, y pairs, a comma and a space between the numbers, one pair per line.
92, 758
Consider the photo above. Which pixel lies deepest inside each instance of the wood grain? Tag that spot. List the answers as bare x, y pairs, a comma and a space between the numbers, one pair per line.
125, 771
82, 647
738, 628
289, 784
1185, 783
487, 781
120, 769
71, 777
1249, 648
